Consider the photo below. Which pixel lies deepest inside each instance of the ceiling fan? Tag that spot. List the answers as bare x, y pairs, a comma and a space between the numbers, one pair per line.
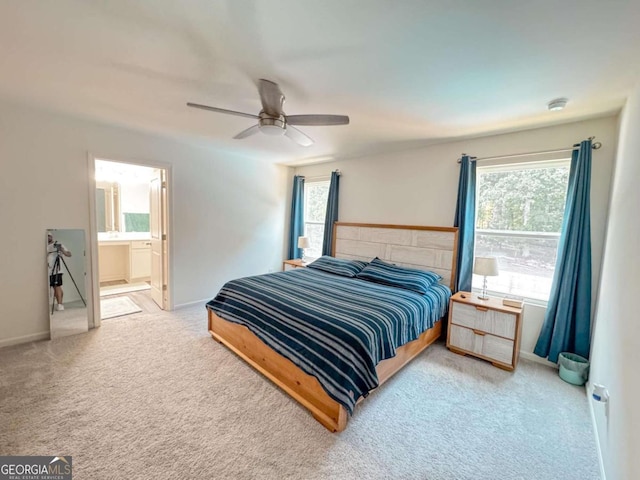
273, 121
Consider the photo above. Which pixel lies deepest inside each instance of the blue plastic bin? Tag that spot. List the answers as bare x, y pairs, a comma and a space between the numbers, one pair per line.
574, 369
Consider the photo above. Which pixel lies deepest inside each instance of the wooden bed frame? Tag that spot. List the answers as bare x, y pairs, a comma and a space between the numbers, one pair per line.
396, 243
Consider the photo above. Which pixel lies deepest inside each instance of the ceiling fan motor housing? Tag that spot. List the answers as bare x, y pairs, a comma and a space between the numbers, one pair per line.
272, 125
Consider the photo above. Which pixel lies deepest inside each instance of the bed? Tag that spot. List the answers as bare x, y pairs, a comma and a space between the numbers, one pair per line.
327, 339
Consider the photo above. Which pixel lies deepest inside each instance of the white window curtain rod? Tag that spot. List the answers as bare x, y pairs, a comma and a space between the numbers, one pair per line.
320, 177
595, 146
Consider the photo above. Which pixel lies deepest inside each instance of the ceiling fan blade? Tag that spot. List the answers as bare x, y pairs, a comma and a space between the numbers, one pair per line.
248, 132
317, 120
221, 110
271, 97
299, 137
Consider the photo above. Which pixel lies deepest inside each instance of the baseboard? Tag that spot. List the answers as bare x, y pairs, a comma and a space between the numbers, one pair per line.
112, 278
535, 358
190, 304
603, 475
34, 337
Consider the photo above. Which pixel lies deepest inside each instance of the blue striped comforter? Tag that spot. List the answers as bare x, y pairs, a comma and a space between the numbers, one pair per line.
332, 327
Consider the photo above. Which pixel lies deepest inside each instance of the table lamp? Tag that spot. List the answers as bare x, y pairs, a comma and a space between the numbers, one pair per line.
488, 267
303, 242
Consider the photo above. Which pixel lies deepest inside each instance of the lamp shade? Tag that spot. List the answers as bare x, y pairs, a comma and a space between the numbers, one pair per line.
303, 242
487, 266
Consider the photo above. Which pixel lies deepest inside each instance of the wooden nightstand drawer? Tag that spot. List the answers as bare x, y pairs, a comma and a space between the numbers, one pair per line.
485, 328
479, 343
481, 318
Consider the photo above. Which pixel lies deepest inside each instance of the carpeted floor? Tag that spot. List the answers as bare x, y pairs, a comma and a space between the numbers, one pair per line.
158, 398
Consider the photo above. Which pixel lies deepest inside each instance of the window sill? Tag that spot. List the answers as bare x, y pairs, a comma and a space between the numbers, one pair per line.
527, 300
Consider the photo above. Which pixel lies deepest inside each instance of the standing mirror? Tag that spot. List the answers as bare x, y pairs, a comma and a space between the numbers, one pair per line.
67, 282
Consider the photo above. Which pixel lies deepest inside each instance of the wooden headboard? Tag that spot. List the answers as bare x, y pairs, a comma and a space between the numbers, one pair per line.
425, 248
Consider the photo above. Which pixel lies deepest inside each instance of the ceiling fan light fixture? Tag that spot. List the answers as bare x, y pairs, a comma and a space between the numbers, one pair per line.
557, 104
272, 130
271, 125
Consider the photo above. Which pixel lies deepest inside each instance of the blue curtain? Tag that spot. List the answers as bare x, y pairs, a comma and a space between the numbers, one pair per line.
296, 225
567, 322
465, 220
332, 213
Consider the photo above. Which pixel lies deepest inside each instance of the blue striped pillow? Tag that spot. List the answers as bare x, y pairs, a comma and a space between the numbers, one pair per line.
402, 277
339, 266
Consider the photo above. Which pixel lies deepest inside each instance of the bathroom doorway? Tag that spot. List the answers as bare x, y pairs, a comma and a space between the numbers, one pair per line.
131, 225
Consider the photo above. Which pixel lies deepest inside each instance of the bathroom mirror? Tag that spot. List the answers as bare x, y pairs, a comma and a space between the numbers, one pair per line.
108, 206
66, 280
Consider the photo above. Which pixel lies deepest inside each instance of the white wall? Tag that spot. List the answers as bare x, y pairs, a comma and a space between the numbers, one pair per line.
134, 198
419, 187
615, 353
228, 212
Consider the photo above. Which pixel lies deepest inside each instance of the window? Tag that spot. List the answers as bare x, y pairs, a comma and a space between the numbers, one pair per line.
519, 219
136, 222
315, 209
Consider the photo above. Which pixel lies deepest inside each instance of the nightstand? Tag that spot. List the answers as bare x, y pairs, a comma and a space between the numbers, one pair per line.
486, 329
291, 264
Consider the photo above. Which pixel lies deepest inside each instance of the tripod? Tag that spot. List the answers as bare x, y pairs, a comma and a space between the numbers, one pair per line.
56, 270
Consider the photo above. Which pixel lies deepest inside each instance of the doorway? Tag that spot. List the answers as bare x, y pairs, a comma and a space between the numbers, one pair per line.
130, 238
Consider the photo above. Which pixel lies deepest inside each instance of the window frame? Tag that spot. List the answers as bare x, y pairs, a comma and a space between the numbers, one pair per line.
506, 166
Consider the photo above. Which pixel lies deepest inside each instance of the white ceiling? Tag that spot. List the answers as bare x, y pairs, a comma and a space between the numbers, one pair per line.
408, 73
